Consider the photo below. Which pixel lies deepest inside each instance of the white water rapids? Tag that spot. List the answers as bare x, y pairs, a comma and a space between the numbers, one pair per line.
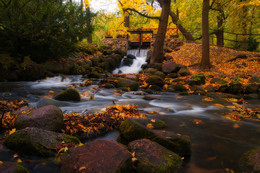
137, 63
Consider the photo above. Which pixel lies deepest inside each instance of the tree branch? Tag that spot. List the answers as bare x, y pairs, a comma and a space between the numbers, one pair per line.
141, 14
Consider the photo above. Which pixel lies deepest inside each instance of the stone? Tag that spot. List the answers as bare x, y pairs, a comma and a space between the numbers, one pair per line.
12, 167
160, 74
197, 79
47, 101
157, 66
178, 87
130, 56
128, 83
198, 90
235, 87
36, 141
149, 55
131, 130
94, 75
68, 95
171, 67
150, 71
152, 123
97, 156
254, 78
210, 88
184, 71
48, 118
127, 61
155, 80
250, 161
153, 157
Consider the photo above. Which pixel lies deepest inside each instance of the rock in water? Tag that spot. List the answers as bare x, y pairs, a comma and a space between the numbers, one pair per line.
131, 130
48, 118
68, 95
35, 141
10, 167
97, 156
128, 83
153, 157
250, 161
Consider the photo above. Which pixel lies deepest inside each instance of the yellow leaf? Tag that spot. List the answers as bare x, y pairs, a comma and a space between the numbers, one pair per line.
19, 161
219, 105
12, 131
236, 126
66, 149
1, 162
82, 168
80, 144
51, 92
153, 120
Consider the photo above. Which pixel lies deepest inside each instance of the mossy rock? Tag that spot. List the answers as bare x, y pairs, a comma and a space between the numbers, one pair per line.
152, 123
11, 167
172, 75
154, 158
35, 141
157, 66
198, 90
68, 95
160, 74
131, 130
250, 161
128, 83
252, 88
150, 71
198, 79
179, 87
184, 71
155, 80
94, 75
155, 88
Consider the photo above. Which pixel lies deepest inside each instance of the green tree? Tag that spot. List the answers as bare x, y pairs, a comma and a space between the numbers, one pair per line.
41, 29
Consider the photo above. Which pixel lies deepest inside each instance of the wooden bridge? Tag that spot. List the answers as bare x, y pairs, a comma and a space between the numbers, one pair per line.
142, 37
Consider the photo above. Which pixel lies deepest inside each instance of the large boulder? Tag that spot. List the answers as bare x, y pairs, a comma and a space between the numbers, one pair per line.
250, 161
197, 79
171, 67
153, 157
12, 167
127, 61
68, 95
184, 71
128, 83
35, 141
47, 101
97, 156
48, 118
131, 130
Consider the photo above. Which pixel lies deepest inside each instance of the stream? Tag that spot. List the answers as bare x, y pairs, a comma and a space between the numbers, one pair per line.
216, 143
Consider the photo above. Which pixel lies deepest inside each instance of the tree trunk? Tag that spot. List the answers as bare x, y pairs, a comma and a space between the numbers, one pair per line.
126, 20
157, 56
185, 33
220, 32
244, 26
205, 62
89, 24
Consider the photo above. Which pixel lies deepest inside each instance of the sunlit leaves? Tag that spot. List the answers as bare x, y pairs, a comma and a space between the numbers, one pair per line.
91, 125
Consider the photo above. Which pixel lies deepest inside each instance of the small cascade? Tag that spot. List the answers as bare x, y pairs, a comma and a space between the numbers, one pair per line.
137, 63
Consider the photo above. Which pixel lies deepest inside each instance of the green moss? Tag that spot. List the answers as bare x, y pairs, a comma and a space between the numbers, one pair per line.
68, 95
179, 87
133, 85
95, 75
155, 80
198, 79
131, 130
69, 139
108, 86
160, 74
247, 162
21, 169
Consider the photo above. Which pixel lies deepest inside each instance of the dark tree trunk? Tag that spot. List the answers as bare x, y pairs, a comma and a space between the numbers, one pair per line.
244, 26
205, 62
185, 33
157, 56
126, 20
220, 32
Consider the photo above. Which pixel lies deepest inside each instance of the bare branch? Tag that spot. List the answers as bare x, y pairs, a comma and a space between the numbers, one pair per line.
141, 14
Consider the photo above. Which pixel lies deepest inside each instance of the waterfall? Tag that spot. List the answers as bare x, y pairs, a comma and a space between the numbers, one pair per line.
137, 63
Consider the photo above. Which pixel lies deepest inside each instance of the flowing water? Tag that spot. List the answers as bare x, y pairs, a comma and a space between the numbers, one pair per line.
217, 143
137, 63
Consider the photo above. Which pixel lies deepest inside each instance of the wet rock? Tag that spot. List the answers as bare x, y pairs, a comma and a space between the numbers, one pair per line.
198, 90
131, 130
152, 123
149, 91
210, 88
155, 80
36, 141
149, 55
47, 101
127, 61
215, 80
97, 156
184, 71
12, 167
235, 87
48, 118
128, 83
171, 67
108, 86
130, 56
250, 161
172, 75
153, 157
68, 95
155, 88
